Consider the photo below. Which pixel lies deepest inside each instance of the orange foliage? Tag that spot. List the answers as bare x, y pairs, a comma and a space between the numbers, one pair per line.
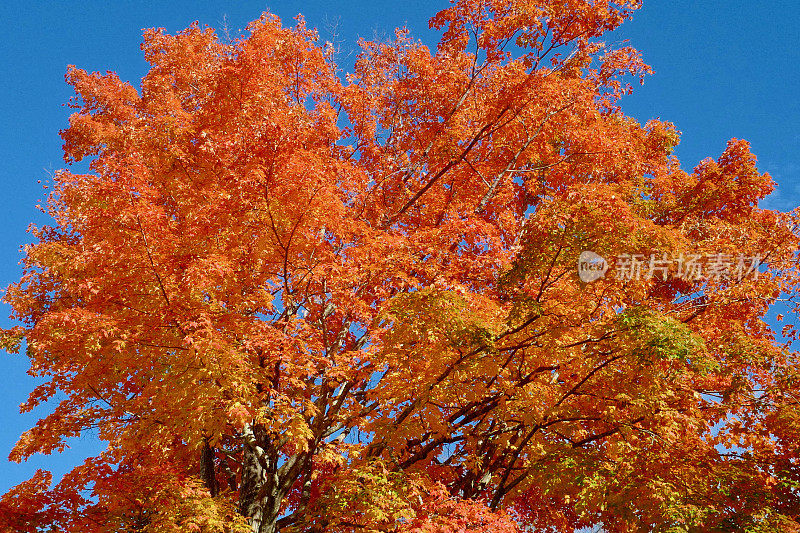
316, 303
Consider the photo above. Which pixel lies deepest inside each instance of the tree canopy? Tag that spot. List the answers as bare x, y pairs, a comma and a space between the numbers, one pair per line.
296, 299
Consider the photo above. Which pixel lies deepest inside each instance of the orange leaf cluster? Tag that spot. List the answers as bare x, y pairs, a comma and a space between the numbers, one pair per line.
291, 300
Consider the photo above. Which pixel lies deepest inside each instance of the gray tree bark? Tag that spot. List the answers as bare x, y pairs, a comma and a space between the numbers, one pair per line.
261, 491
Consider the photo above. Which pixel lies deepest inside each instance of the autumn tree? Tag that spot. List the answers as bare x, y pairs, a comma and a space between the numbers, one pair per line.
292, 299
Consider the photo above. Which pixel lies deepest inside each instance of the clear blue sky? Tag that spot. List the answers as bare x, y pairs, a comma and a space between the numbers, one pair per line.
724, 68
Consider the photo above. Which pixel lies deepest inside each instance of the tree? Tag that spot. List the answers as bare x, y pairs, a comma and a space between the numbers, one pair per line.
291, 300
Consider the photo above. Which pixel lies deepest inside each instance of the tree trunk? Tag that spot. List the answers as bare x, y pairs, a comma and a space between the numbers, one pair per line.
208, 472
260, 493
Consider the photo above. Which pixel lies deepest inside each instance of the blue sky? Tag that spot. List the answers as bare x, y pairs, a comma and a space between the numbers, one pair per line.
723, 68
